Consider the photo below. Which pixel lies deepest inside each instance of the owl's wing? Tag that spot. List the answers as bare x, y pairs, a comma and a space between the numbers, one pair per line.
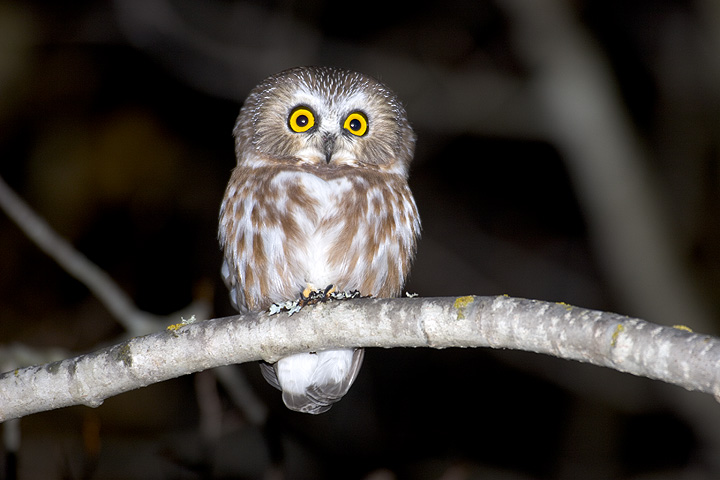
236, 298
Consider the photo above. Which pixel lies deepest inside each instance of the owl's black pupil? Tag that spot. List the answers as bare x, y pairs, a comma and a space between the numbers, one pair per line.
355, 124
302, 120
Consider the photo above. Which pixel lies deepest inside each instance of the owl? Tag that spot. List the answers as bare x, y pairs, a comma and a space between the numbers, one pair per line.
319, 199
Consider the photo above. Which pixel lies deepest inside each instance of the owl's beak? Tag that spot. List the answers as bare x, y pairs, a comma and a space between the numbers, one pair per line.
328, 146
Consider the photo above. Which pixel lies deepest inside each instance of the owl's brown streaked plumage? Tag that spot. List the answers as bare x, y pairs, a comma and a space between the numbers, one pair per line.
319, 197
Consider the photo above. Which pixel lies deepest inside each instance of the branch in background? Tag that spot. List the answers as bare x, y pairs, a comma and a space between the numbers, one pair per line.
75, 263
605, 157
673, 355
608, 165
251, 41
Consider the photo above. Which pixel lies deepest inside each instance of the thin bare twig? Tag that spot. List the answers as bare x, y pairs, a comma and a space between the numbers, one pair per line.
75, 263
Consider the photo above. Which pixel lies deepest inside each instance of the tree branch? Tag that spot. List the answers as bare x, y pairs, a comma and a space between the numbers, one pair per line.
673, 355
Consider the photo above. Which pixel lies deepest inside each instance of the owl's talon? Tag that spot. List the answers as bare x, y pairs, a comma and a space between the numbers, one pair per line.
313, 297
306, 296
306, 293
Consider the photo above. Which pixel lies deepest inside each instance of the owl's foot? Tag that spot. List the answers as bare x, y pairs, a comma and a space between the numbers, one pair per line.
309, 296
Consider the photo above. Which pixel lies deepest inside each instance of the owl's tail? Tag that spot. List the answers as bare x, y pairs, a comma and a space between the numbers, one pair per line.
312, 382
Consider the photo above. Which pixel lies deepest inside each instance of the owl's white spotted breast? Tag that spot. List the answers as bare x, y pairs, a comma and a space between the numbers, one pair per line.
319, 221
345, 230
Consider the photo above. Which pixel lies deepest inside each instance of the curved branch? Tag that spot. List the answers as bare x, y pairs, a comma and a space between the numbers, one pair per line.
673, 355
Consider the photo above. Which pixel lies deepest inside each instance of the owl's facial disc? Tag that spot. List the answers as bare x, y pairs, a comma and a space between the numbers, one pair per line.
327, 135
327, 119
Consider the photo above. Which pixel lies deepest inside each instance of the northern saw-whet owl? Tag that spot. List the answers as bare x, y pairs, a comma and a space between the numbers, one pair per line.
319, 197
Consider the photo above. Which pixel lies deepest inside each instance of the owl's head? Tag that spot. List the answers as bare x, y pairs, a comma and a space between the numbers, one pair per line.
327, 118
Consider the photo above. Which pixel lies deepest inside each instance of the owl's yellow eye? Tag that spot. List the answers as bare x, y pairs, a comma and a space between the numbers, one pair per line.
356, 123
301, 120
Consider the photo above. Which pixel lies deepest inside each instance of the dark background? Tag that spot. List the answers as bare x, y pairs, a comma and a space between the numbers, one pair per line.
115, 126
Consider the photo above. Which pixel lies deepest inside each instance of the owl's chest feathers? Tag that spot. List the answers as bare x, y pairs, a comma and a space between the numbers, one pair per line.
320, 216
318, 199
288, 228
